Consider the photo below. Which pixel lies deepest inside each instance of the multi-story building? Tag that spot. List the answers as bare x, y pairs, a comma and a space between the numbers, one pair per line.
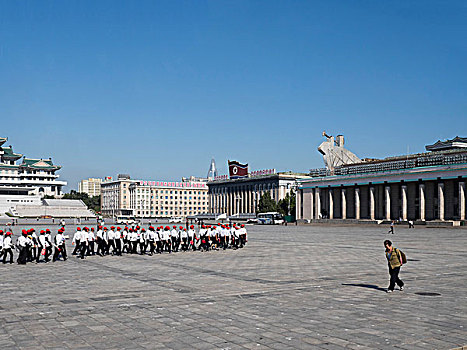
419, 187
115, 196
242, 195
30, 177
162, 199
92, 187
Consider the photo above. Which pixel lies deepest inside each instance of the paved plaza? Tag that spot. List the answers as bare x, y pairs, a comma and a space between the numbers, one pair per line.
294, 287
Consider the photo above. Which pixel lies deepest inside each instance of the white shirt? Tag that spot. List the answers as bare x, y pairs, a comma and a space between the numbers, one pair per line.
22, 241
191, 233
43, 242
76, 236
59, 239
1, 241
7, 242
99, 234
183, 234
174, 233
110, 234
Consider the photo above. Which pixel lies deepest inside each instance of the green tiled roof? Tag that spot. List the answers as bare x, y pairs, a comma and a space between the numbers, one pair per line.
3, 140
8, 153
39, 164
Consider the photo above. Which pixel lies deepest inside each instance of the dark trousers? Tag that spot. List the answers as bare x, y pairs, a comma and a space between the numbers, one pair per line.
134, 247
394, 273
23, 255
47, 253
174, 243
111, 244
60, 249
75, 251
5, 252
151, 247
91, 248
83, 249
100, 246
118, 246
184, 244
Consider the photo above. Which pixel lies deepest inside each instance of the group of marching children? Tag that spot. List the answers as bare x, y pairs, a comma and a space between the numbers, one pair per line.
137, 240
31, 247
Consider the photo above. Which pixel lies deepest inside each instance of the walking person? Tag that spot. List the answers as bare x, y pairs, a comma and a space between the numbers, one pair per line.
394, 258
23, 246
59, 246
391, 229
7, 247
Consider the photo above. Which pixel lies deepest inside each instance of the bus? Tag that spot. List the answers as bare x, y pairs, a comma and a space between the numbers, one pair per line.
270, 218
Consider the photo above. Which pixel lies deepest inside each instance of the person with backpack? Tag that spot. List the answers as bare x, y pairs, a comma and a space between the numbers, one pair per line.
395, 260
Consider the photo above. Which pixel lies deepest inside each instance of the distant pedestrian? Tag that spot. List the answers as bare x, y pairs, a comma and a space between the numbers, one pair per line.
411, 225
394, 258
391, 229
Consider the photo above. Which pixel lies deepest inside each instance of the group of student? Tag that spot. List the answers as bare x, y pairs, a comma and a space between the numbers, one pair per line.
137, 240
31, 246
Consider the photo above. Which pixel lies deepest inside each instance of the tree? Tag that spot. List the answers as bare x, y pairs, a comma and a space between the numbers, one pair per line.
93, 203
286, 206
266, 203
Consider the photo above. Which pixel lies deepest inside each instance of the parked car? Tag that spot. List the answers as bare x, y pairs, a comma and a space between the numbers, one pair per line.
175, 220
270, 218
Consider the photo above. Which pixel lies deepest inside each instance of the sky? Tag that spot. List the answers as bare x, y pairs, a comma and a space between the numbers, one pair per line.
155, 89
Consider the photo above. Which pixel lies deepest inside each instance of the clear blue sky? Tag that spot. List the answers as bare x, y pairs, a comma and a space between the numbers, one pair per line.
157, 88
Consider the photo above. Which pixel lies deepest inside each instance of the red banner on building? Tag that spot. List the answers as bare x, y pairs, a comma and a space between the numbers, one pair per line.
237, 170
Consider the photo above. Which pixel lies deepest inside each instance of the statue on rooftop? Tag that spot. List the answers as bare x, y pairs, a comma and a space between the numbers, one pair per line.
334, 153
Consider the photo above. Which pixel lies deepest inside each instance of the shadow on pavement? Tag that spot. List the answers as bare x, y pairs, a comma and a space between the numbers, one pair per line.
363, 285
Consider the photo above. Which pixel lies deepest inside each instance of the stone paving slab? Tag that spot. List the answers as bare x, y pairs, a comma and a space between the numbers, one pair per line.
294, 287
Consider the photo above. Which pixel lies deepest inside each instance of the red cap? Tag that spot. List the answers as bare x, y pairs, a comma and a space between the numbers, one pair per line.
47, 230
167, 228
175, 226
78, 229
92, 229
181, 227
243, 225
118, 228
191, 226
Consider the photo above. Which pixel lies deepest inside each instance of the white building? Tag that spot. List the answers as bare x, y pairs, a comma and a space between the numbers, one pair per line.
30, 177
92, 187
162, 199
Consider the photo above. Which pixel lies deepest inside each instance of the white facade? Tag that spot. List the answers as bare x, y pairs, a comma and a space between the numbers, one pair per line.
92, 187
154, 198
30, 177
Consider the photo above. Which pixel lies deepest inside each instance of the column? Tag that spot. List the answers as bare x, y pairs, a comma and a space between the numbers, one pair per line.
462, 200
441, 201
372, 203
357, 203
344, 204
331, 203
298, 205
422, 201
317, 204
404, 202
387, 196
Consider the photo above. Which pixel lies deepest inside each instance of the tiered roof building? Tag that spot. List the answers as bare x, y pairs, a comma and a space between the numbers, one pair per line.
29, 176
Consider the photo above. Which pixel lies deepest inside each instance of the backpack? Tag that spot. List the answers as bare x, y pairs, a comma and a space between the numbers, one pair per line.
402, 256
